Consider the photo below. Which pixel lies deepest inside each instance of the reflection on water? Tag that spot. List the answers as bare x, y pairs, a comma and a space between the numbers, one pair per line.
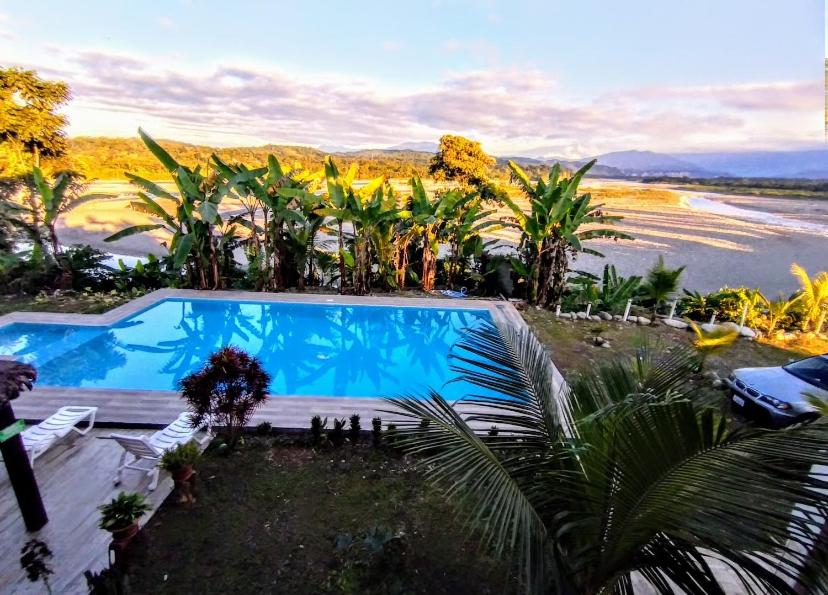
309, 349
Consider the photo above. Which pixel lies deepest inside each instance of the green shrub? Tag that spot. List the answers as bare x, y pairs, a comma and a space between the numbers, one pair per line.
180, 457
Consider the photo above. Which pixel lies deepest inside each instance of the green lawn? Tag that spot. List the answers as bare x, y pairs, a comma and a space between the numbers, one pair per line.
268, 519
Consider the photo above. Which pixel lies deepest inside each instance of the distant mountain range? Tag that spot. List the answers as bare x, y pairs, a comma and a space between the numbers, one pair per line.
810, 164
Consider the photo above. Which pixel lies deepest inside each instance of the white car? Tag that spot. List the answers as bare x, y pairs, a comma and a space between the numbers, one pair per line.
779, 396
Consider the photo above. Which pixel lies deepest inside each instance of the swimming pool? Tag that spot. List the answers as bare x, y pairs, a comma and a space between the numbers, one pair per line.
310, 349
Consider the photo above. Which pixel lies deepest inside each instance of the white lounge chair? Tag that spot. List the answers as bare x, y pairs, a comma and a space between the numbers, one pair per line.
39, 438
146, 452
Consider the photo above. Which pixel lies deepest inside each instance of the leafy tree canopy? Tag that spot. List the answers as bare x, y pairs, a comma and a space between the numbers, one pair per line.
461, 160
30, 126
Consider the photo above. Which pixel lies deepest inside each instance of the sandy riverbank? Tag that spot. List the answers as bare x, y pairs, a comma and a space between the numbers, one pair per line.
718, 249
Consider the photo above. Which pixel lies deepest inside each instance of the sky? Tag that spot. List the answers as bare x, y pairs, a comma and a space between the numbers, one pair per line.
564, 78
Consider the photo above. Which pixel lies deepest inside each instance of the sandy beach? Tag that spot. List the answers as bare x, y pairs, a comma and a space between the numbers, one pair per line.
722, 239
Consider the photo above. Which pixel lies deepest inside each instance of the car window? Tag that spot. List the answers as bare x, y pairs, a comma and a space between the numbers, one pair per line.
813, 370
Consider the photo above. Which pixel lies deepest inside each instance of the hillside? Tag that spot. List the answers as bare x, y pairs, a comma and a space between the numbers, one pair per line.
108, 158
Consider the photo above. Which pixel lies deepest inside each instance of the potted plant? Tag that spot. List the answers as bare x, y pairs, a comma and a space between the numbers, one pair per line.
179, 461
120, 516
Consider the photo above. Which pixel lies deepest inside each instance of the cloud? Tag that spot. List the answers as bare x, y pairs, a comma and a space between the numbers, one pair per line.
391, 46
508, 109
166, 22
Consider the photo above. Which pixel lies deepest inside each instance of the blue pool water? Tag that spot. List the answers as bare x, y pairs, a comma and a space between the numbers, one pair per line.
309, 349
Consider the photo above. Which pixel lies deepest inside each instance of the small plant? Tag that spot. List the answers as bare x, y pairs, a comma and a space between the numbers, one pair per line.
181, 457
424, 423
337, 434
371, 563
493, 431
227, 390
354, 429
34, 559
376, 431
316, 428
109, 581
391, 434
123, 511
264, 429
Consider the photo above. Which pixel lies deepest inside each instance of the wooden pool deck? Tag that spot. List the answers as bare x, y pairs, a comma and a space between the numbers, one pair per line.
75, 477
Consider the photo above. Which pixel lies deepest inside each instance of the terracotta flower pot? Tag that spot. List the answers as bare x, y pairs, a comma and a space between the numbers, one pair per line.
181, 475
124, 535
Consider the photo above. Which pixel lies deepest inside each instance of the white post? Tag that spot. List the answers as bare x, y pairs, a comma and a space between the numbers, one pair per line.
744, 316
627, 310
557, 311
589, 307
713, 318
672, 309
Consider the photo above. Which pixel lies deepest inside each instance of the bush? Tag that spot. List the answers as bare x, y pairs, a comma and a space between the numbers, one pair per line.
264, 429
85, 266
153, 274
226, 392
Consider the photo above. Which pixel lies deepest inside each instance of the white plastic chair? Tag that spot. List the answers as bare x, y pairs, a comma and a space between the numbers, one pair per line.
39, 438
146, 452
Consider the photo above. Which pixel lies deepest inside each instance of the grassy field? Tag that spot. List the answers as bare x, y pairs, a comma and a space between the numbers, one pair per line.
269, 517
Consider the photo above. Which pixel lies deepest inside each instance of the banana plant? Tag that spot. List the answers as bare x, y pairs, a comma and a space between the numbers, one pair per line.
338, 187
54, 200
553, 228
191, 219
429, 218
278, 247
367, 209
463, 232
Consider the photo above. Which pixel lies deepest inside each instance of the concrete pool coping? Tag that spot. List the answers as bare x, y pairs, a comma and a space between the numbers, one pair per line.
151, 408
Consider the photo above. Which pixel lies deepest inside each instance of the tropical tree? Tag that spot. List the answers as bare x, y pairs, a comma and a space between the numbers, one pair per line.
661, 283
429, 218
460, 160
198, 232
30, 125
279, 249
813, 296
463, 235
777, 311
622, 483
367, 208
554, 228
51, 201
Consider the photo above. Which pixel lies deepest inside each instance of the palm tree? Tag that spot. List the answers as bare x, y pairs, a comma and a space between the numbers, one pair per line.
661, 283
814, 296
556, 225
623, 481
777, 311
